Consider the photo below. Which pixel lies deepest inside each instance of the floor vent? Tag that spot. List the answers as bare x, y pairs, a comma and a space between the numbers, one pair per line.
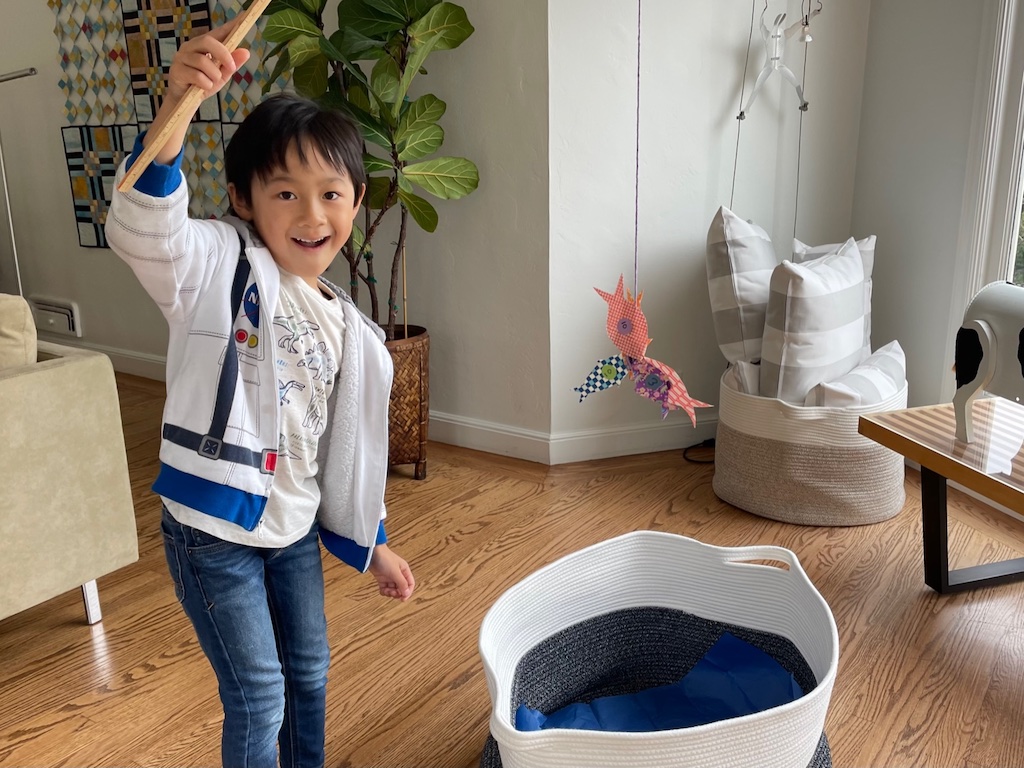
56, 315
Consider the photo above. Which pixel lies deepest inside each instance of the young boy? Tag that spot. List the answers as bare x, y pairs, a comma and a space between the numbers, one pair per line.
275, 423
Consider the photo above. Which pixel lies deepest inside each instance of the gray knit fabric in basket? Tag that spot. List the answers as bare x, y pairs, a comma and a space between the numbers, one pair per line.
628, 651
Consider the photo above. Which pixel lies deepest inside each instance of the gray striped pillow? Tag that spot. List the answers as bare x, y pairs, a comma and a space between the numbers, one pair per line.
814, 325
803, 252
878, 378
740, 260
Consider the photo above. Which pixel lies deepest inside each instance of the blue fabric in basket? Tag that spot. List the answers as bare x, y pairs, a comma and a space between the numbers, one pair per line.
732, 679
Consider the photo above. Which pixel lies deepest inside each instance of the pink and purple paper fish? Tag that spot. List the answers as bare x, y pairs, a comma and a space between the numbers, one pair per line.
627, 328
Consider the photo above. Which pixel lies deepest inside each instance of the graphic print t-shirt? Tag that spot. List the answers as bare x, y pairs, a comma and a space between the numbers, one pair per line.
309, 331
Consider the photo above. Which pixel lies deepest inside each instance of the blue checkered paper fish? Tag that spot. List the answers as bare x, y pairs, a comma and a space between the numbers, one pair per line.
607, 373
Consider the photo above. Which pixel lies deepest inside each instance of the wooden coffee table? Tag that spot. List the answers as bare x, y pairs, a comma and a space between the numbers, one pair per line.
992, 465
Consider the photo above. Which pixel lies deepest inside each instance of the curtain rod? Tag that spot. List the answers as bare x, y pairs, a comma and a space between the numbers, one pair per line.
18, 73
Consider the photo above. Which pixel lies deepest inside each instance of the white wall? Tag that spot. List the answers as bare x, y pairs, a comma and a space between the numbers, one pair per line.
692, 66
919, 94
117, 316
542, 98
479, 283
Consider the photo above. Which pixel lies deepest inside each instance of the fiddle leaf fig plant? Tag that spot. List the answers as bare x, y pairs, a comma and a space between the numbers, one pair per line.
366, 69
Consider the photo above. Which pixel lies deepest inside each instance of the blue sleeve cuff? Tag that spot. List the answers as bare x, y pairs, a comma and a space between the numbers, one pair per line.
157, 180
382, 538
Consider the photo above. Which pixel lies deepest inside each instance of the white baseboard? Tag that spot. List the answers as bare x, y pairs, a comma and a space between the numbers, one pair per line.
124, 360
489, 437
580, 445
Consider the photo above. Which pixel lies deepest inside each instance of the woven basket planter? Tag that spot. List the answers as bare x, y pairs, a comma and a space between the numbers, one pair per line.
410, 399
804, 465
638, 611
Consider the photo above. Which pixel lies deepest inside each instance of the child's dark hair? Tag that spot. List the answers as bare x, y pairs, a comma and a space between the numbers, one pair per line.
261, 142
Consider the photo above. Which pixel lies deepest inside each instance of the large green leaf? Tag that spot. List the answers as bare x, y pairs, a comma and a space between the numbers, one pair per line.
275, 51
279, 5
358, 96
387, 9
354, 45
303, 49
384, 79
426, 110
357, 237
378, 192
446, 177
332, 53
371, 128
365, 20
283, 65
311, 77
374, 164
421, 143
416, 56
446, 25
403, 184
423, 212
416, 9
409, 10
287, 25
312, 7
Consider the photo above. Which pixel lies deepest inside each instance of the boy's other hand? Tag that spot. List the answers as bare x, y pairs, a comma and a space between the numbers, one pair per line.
204, 61
394, 577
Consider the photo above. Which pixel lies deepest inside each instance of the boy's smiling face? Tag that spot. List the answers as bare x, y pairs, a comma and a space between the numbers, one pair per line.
303, 212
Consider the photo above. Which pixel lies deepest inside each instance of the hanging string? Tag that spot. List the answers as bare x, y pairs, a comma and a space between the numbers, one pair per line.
800, 141
636, 187
743, 86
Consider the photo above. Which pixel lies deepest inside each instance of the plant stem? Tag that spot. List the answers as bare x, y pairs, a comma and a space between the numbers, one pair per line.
396, 264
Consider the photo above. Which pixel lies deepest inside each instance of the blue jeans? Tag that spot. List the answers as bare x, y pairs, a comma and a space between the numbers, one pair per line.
259, 617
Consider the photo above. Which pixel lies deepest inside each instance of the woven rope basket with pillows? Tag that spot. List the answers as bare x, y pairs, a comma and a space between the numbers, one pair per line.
797, 335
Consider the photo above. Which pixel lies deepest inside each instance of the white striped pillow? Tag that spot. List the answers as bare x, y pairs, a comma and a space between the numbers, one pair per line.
803, 252
740, 260
814, 325
878, 378
744, 377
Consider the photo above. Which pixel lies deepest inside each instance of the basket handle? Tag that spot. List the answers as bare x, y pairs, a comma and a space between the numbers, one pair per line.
741, 556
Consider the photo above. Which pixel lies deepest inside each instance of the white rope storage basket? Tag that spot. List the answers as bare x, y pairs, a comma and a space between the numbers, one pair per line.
651, 570
804, 464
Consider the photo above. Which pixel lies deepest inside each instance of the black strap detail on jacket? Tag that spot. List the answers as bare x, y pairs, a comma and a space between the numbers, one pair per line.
212, 445
229, 370
206, 446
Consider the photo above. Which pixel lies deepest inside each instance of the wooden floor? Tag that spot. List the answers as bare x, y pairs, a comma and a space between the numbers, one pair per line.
923, 680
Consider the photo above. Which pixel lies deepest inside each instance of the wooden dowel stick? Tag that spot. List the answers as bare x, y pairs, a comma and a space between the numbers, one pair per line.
190, 101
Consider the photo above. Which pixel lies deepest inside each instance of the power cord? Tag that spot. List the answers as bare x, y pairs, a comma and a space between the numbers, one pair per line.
709, 443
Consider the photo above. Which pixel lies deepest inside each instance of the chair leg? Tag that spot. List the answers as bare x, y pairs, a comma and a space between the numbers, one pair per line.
91, 598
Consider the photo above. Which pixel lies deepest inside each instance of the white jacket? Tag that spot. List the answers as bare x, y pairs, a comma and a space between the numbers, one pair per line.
219, 457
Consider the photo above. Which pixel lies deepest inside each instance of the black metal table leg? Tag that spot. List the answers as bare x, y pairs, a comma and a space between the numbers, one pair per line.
935, 530
935, 535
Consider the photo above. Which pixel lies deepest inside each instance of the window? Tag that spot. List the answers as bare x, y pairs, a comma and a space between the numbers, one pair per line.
1018, 265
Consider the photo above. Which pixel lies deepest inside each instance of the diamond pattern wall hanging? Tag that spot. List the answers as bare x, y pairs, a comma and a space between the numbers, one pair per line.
246, 88
93, 154
203, 166
94, 57
154, 29
115, 55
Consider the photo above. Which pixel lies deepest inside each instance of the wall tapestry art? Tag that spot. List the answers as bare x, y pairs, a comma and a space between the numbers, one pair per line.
115, 55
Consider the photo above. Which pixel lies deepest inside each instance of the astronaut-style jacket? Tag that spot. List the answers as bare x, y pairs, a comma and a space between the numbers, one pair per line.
217, 288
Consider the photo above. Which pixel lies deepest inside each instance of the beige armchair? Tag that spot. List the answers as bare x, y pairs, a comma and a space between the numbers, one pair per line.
66, 513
